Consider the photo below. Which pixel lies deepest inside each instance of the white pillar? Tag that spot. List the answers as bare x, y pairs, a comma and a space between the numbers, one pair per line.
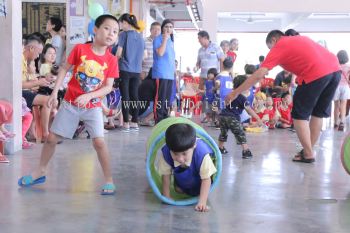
11, 67
210, 21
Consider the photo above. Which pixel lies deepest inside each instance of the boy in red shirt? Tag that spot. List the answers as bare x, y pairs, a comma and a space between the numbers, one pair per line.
318, 75
95, 69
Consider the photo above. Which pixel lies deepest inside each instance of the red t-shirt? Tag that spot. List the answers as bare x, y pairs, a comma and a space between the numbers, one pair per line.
90, 72
286, 113
303, 57
232, 54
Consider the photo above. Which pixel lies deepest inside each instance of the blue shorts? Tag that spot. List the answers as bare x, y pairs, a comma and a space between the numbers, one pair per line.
315, 98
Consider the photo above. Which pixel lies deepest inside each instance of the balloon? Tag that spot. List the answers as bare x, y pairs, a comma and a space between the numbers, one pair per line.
90, 2
142, 25
91, 27
95, 10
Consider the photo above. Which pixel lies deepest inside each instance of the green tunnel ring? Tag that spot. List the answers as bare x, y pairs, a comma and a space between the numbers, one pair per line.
156, 142
345, 154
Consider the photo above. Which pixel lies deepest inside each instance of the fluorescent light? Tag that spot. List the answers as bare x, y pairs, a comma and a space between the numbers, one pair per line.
189, 9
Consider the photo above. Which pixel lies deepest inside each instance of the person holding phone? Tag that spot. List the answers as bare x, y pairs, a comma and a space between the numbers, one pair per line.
163, 69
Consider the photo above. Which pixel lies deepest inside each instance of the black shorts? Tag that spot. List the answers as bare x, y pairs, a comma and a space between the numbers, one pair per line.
29, 96
315, 98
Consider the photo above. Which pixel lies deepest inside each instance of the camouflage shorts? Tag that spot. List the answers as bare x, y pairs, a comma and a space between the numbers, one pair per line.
226, 123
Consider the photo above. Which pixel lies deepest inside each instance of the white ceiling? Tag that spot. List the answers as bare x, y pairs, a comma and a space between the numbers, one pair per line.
265, 21
178, 11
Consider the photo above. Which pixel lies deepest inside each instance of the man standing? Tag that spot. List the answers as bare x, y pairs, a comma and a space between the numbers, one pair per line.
210, 55
318, 76
148, 60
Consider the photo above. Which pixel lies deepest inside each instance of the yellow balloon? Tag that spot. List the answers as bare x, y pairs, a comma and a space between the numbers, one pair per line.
142, 25
90, 1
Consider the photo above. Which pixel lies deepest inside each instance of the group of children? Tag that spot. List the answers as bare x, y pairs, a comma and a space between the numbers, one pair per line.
253, 108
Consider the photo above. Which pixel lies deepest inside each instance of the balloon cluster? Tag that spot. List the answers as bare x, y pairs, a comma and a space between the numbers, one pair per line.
94, 10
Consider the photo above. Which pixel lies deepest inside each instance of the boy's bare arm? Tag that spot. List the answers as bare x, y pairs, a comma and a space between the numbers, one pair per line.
251, 112
166, 185
60, 77
203, 195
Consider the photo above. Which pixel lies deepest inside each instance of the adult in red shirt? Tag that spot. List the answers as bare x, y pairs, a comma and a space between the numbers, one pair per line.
318, 76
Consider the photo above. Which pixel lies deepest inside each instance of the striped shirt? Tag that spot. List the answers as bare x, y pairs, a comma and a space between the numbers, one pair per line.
209, 58
148, 61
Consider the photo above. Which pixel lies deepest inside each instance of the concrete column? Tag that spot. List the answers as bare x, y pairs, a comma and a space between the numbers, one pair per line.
210, 21
11, 68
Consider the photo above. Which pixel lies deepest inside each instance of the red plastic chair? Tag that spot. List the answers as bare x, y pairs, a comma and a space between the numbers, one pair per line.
191, 101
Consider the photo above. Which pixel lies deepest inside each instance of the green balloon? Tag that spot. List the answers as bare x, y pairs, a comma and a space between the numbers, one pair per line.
95, 10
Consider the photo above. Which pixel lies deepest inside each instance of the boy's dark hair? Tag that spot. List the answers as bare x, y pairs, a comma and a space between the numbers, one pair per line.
284, 94
99, 21
239, 80
130, 19
204, 34
155, 24
261, 58
343, 57
291, 32
213, 71
249, 69
273, 34
57, 22
228, 63
180, 137
42, 55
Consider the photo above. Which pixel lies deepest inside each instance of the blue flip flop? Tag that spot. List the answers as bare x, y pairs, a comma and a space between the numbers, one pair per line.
106, 188
26, 181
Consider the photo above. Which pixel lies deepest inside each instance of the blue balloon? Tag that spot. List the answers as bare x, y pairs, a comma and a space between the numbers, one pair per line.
91, 27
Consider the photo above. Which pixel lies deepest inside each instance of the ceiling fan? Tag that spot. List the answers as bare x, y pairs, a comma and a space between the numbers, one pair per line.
251, 20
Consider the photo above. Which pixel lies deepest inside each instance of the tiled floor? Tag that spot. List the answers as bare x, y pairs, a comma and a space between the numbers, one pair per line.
266, 194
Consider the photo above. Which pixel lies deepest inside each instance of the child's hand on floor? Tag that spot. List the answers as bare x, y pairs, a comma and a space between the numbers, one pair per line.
202, 207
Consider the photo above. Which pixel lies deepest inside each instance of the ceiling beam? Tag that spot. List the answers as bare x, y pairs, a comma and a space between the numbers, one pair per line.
293, 20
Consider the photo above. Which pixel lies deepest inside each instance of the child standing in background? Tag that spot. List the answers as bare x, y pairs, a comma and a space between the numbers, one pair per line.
230, 120
209, 96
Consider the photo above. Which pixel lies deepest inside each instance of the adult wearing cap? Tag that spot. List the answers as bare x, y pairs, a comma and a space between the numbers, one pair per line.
318, 75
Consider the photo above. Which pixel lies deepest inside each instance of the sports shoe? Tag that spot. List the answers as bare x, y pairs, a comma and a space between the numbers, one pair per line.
223, 150
246, 154
341, 126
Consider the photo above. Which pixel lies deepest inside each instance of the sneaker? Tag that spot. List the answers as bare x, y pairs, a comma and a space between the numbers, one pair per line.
223, 150
341, 126
246, 154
